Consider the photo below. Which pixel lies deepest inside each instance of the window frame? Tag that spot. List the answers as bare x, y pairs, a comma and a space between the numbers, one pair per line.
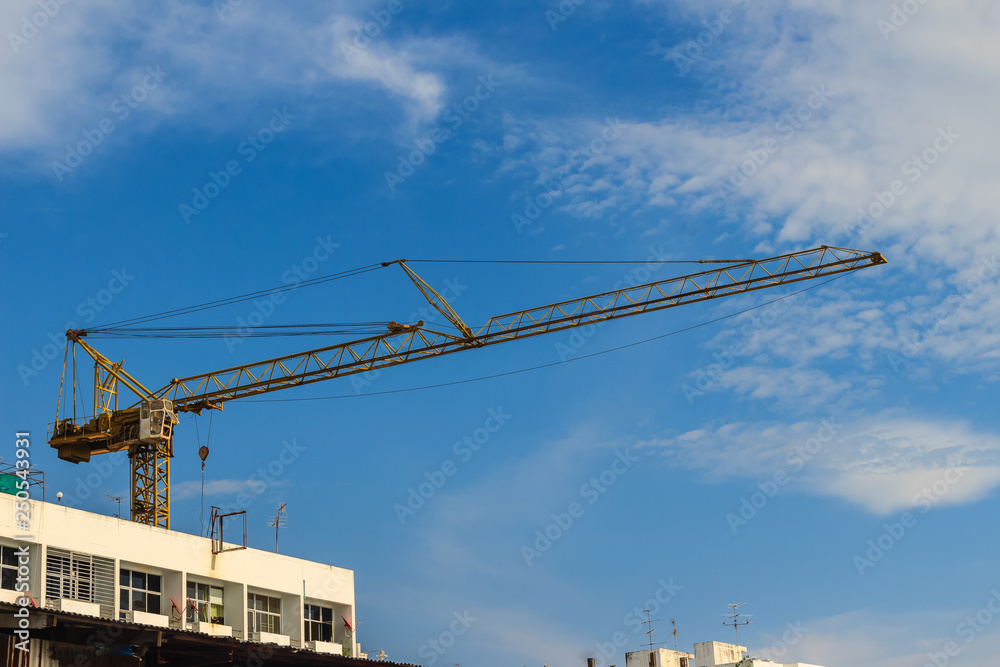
256, 614
134, 577
5, 567
202, 608
322, 628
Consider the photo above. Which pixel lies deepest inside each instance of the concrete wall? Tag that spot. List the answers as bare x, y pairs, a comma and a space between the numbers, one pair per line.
661, 658
757, 662
717, 654
176, 557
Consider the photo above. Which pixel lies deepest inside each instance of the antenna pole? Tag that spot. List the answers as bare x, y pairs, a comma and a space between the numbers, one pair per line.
117, 499
277, 522
649, 622
736, 622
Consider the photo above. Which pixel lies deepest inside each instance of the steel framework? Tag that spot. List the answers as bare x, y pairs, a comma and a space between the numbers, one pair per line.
113, 428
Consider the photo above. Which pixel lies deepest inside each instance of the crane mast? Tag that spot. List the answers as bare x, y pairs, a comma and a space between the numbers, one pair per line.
145, 428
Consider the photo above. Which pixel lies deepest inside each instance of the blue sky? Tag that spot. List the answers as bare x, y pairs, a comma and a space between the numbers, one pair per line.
831, 459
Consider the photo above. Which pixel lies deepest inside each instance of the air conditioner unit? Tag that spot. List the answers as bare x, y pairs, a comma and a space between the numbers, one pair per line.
214, 629
77, 607
146, 618
326, 647
270, 638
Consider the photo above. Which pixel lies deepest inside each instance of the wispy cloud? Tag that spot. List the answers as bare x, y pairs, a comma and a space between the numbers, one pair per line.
880, 462
64, 79
218, 487
848, 151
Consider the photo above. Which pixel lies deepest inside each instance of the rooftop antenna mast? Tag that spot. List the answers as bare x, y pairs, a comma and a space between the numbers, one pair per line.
673, 624
649, 624
117, 499
736, 622
277, 522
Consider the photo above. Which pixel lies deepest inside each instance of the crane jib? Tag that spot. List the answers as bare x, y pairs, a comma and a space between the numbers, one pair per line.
146, 427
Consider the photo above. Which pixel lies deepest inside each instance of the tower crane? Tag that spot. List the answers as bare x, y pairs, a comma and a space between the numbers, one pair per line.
145, 428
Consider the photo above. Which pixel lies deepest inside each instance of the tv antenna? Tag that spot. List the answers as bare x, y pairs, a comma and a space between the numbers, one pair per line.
277, 522
673, 624
649, 623
736, 622
117, 499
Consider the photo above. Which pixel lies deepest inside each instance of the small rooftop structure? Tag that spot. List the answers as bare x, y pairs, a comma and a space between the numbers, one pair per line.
717, 654
706, 654
659, 657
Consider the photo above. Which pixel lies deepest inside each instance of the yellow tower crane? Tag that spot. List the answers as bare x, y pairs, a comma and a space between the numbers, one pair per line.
146, 428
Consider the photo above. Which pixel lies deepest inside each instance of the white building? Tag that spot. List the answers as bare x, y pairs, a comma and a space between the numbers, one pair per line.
659, 657
107, 568
706, 654
718, 654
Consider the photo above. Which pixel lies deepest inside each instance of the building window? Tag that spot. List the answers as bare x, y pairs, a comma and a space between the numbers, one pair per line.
263, 613
77, 576
8, 567
319, 623
138, 591
205, 603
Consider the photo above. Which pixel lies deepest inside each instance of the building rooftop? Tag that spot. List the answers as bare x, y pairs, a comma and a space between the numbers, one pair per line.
91, 565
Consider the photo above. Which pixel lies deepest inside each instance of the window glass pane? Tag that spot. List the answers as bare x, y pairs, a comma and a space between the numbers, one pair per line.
138, 580
327, 615
9, 555
153, 583
124, 577
153, 604
191, 593
138, 601
215, 595
216, 613
7, 577
123, 598
274, 605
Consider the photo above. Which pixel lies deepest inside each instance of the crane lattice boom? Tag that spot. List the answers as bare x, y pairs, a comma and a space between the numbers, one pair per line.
113, 429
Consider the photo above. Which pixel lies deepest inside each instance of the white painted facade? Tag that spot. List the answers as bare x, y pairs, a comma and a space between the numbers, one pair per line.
659, 657
77, 558
717, 654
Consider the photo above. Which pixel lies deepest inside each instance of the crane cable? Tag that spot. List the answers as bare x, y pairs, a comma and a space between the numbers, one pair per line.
242, 297
246, 331
578, 261
548, 365
122, 328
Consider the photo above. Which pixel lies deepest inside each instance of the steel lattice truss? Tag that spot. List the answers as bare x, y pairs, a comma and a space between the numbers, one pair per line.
392, 349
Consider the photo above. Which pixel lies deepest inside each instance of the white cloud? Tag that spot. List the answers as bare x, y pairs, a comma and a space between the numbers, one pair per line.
63, 79
866, 638
884, 463
216, 487
880, 103
805, 388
